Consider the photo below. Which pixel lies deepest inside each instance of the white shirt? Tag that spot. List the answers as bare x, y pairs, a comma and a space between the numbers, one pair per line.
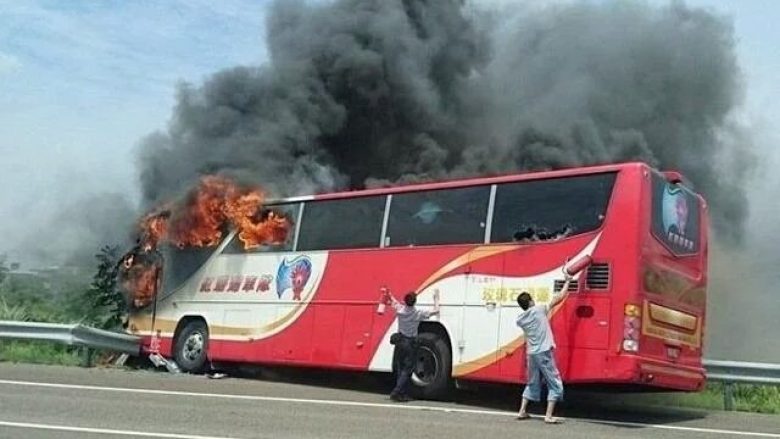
538, 333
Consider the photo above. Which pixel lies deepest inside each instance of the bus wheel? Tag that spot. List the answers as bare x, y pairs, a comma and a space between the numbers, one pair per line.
189, 348
433, 368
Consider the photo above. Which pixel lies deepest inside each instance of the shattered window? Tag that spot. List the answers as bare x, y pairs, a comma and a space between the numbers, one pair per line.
541, 210
445, 216
287, 211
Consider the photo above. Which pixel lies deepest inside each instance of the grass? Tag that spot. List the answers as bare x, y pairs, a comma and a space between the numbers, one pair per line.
747, 398
38, 352
13, 312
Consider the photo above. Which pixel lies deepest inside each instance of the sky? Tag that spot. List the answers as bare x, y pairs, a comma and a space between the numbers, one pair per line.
81, 82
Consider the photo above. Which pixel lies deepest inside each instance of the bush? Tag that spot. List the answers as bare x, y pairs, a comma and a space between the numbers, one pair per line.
13, 312
38, 352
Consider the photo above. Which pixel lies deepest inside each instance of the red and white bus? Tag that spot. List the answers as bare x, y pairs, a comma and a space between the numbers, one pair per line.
635, 316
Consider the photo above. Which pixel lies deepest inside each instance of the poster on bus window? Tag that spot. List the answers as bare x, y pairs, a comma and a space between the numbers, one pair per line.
675, 216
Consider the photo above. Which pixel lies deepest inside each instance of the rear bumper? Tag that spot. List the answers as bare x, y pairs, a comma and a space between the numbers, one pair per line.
672, 376
659, 374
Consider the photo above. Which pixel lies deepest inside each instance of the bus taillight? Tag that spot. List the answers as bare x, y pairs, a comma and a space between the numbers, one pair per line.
631, 324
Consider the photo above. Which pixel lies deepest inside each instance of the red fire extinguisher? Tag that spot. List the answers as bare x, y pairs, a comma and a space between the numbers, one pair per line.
384, 299
578, 265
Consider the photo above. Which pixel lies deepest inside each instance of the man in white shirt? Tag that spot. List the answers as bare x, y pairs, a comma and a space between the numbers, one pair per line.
409, 319
540, 346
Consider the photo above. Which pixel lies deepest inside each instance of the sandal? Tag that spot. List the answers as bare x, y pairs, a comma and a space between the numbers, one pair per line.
553, 421
523, 418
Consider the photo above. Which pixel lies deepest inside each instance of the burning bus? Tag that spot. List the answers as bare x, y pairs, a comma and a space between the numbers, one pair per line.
229, 277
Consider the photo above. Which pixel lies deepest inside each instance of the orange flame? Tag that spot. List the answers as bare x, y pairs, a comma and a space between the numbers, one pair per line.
200, 220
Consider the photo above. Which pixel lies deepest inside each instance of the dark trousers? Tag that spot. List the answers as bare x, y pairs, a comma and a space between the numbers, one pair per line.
405, 355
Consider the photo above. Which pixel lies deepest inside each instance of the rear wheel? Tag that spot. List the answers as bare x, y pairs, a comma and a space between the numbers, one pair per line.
190, 346
433, 367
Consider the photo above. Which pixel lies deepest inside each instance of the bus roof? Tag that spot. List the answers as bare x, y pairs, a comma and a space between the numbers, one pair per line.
465, 182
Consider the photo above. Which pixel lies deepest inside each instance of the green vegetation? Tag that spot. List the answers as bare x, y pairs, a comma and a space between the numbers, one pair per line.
39, 352
747, 397
63, 295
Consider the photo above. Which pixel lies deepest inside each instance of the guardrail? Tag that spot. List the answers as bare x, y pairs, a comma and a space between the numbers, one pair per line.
71, 335
731, 372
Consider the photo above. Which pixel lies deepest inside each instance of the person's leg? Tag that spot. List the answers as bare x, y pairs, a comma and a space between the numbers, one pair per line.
533, 386
548, 414
404, 370
552, 377
409, 366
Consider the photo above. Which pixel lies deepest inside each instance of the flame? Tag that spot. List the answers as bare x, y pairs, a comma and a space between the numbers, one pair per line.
199, 220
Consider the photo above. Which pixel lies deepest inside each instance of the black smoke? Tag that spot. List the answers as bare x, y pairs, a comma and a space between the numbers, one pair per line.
361, 92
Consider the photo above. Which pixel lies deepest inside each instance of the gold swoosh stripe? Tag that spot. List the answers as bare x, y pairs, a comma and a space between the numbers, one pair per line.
474, 254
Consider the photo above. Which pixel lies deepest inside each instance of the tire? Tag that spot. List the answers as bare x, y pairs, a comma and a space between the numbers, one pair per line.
191, 346
432, 377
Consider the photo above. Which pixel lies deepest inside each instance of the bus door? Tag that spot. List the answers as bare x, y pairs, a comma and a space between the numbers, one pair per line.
358, 303
475, 349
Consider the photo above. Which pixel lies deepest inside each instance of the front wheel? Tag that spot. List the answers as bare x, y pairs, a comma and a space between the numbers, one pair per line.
433, 367
190, 346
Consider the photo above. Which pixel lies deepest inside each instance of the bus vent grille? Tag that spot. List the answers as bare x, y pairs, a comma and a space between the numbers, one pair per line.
573, 286
598, 276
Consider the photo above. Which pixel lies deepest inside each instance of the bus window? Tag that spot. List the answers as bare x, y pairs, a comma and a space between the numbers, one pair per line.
288, 211
538, 210
339, 224
675, 216
446, 216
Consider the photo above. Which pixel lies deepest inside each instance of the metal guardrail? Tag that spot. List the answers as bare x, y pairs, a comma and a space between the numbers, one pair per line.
732, 372
71, 335
742, 372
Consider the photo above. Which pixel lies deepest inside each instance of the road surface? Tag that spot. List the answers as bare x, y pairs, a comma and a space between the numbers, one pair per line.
59, 402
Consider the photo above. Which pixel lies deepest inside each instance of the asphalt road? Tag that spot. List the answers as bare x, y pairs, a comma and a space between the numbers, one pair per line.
58, 402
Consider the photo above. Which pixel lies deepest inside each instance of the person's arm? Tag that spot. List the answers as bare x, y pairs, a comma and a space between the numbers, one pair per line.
397, 306
435, 311
558, 298
436, 308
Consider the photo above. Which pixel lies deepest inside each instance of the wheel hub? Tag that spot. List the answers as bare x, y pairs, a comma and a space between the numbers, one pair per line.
426, 367
193, 346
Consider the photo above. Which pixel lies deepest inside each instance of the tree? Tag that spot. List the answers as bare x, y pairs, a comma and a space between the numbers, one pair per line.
3, 269
104, 303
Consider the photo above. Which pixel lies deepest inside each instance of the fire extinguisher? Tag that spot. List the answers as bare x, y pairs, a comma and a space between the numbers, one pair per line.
578, 265
383, 300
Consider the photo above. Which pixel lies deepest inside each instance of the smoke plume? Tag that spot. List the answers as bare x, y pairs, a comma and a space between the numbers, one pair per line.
362, 92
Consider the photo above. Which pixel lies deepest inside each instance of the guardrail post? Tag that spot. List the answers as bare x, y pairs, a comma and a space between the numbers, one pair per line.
87, 355
728, 396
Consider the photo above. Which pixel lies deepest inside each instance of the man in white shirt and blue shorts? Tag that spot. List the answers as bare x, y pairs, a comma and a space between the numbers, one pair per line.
540, 347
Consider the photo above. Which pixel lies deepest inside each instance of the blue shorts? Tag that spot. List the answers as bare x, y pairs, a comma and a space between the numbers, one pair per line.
543, 365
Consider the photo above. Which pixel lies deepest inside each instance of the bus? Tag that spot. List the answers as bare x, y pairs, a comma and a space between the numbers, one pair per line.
635, 316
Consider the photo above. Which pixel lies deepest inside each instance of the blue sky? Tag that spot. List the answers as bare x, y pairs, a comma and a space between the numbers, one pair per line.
82, 81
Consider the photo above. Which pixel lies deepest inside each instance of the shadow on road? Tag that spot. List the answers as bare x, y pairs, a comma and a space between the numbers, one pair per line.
587, 403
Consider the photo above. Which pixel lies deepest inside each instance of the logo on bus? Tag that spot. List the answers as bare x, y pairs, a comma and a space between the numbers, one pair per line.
293, 275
